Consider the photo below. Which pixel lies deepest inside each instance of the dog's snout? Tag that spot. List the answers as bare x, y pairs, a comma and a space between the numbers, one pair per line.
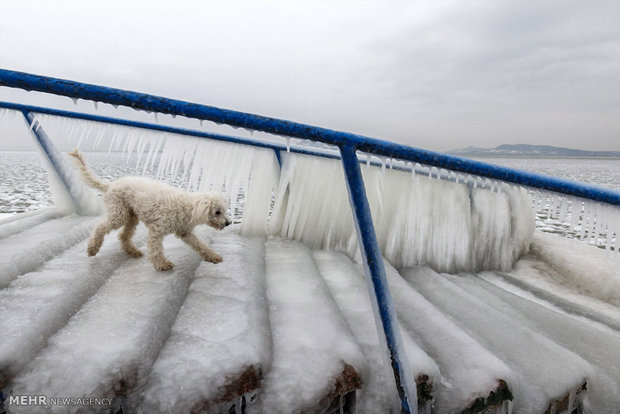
227, 223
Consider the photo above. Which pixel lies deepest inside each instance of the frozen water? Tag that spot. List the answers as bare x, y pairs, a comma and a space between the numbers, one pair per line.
436, 223
545, 372
582, 267
477, 372
25, 251
594, 345
311, 341
349, 290
222, 330
109, 345
38, 303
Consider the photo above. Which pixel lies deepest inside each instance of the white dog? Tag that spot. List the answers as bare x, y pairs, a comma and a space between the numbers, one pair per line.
162, 208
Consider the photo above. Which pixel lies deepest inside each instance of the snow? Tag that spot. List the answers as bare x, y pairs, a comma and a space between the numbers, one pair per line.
598, 347
585, 268
15, 223
348, 288
478, 370
311, 341
221, 330
109, 345
545, 372
418, 221
25, 251
37, 304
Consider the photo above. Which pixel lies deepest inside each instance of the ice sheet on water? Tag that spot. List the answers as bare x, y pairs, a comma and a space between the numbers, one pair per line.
420, 221
478, 370
311, 341
596, 346
348, 288
221, 331
38, 303
109, 345
545, 372
25, 251
583, 267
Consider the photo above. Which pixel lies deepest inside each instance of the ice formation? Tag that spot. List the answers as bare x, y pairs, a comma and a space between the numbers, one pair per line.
26, 250
349, 289
478, 372
540, 379
583, 267
38, 303
597, 346
220, 334
419, 221
311, 341
109, 345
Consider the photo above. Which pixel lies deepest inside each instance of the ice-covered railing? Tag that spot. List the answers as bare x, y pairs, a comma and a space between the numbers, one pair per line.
471, 201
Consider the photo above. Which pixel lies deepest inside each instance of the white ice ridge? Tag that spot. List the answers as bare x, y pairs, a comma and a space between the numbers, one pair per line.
418, 220
107, 348
25, 251
311, 341
598, 347
220, 336
348, 288
585, 268
37, 304
469, 370
24, 221
545, 371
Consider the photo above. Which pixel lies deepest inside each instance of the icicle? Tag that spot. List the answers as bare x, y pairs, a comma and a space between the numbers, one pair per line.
96, 104
115, 106
75, 101
156, 117
288, 144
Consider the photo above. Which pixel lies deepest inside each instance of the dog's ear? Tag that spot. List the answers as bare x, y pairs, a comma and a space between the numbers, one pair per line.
202, 208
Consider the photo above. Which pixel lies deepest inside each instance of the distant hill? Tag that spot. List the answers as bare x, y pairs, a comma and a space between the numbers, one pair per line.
525, 150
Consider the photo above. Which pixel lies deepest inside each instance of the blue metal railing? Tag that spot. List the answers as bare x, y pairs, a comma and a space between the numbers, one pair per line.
348, 145
153, 103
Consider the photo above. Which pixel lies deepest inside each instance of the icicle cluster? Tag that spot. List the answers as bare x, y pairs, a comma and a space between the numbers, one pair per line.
590, 221
419, 220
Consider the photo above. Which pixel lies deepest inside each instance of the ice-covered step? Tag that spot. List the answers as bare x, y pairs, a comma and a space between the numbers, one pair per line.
348, 287
108, 347
597, 345
533, 277
546, 373
473, 379
25, 251
220, 343
38, 303
23, 221
316, 359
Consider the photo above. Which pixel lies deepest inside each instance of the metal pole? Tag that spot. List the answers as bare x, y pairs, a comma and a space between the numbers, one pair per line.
377, 280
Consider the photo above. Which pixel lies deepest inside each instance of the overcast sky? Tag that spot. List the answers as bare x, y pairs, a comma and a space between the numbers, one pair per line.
433, 74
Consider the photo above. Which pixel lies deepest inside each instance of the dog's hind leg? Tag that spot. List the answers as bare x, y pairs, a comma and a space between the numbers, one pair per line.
195, 243
156, 251
127, 233
96, 240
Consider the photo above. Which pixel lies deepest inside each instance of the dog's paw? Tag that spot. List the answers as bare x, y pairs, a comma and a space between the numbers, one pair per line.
134, 253
163, 266
214, 258
91, 251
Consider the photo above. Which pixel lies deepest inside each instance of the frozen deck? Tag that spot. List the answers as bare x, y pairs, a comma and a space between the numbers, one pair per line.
277, 327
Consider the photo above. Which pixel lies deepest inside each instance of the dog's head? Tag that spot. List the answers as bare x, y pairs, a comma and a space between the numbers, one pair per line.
210, 209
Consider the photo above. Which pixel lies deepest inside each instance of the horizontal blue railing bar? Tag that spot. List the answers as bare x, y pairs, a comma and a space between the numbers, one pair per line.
154, 103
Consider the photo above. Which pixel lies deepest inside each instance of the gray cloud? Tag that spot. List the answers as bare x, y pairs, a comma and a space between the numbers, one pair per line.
433, 74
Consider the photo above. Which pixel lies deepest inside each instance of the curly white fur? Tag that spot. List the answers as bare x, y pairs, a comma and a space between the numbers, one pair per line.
162, 208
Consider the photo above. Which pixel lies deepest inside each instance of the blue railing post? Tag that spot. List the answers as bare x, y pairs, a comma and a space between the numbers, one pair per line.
377, 279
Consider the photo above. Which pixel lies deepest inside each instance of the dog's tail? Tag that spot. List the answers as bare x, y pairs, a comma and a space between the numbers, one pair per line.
86, 174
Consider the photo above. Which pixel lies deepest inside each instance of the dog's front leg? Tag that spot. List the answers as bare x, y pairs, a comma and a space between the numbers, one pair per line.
195, 243
156, 251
